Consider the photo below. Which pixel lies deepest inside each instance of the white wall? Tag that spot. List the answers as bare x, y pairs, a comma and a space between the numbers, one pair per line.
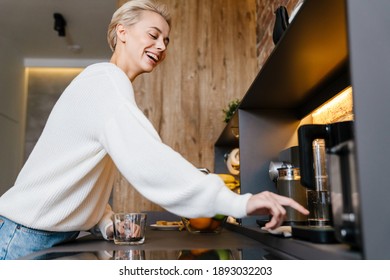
12, 112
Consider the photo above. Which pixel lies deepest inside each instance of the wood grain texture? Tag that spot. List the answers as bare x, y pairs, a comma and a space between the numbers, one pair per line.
211, 60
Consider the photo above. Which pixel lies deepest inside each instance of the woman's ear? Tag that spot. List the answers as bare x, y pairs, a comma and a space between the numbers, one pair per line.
121, 33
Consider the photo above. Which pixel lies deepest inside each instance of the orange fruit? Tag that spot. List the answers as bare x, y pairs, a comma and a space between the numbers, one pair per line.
200, 223
197, 252
214, 224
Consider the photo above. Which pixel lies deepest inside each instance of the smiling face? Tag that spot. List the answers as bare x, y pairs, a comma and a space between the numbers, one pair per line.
141, 46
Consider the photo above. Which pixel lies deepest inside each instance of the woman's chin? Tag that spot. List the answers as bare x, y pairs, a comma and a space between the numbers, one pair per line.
149, 68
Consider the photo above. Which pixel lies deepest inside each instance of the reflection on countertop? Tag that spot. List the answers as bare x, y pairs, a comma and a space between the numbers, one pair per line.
136, 254
159, 245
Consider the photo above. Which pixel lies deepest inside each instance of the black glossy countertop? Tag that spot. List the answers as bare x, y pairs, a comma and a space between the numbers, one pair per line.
234, 242
160, 245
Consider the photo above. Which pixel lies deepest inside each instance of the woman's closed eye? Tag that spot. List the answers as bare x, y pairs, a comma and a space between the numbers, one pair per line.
153, 36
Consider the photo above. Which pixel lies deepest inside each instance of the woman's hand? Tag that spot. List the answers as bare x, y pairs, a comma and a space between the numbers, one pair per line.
110, 232
128, 230
269, 203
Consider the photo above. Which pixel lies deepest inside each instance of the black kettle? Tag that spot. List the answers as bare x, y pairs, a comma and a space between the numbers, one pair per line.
340, 168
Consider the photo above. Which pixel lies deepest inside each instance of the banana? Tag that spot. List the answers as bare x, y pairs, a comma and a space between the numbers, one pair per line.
229, 181
227, 178
233, 185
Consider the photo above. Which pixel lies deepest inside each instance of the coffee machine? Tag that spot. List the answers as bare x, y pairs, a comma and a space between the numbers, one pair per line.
337, 176
300, 224
285, 173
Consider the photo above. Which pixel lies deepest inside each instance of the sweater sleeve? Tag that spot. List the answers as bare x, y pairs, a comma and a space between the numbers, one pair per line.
161, 174
104, 223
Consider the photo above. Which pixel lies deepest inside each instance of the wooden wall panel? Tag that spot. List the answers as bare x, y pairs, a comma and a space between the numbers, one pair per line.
211, 60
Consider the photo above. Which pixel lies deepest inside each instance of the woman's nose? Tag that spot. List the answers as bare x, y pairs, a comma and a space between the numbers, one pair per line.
161, 45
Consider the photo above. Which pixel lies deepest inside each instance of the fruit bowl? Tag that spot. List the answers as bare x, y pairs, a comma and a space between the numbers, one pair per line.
205, 225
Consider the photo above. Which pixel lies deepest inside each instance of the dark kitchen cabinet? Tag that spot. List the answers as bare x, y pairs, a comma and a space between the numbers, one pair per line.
330, 45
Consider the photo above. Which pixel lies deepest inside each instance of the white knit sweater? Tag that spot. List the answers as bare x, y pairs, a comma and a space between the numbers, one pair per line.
94, 128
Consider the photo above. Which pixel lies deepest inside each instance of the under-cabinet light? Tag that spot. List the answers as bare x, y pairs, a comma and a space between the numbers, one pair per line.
338, 108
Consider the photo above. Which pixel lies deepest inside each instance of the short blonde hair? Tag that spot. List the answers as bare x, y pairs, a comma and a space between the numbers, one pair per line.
129, 13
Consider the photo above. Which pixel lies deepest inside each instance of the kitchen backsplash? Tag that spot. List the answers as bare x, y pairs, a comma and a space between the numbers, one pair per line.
339, 108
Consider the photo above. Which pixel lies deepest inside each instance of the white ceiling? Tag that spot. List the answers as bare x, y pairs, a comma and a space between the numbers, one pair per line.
29, 25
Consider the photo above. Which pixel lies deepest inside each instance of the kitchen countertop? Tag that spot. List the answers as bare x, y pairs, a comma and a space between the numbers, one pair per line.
159, 245
296, 248
246, 243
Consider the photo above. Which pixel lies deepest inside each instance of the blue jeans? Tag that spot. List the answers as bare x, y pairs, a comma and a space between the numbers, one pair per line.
17, 241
